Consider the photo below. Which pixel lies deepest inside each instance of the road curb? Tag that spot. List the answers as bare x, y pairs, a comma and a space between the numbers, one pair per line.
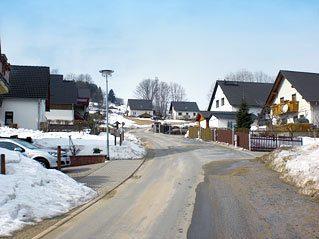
87, 205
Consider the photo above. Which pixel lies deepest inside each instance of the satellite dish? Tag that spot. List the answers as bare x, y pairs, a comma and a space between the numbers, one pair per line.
274, 121
285, 108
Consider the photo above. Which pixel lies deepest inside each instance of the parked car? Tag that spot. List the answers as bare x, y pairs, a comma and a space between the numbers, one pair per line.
48, 158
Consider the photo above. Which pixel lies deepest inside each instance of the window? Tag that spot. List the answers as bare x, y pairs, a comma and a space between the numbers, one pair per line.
282, 99
294, 97
217, 103
8, 118
194, 114
186, 113
10, 146
179, 113
223, 101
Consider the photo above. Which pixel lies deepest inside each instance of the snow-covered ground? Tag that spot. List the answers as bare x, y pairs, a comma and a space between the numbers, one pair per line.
31, 193
298, 165
131, 148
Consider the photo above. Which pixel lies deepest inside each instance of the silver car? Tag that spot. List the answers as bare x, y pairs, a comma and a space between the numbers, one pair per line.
48, 158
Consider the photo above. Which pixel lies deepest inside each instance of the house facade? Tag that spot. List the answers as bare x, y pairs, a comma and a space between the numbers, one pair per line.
227, 97
294, 99
139, 108
24, 105
216, 119
183, 110
63, 97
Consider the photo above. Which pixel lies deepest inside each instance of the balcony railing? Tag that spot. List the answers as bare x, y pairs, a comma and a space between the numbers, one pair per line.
285, 107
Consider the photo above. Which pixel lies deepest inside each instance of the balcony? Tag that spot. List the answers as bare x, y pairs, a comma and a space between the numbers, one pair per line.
285, 107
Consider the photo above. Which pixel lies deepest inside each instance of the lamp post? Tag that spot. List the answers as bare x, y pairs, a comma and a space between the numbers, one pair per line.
107, 73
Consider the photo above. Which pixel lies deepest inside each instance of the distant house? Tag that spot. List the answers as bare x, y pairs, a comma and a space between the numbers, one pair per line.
183, 110
25, 104
293, 99
63, 97
5, 69
139, 108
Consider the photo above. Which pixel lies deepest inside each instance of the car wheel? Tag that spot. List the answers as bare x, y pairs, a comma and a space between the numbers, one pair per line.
43, 162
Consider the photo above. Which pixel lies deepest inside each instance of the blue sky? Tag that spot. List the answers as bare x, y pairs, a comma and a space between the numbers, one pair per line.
189, 42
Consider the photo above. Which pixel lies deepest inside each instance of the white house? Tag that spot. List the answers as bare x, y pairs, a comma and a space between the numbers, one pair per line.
216, 119
139, 108
227, 97
63, 97
25, 104
294, 98
183, 110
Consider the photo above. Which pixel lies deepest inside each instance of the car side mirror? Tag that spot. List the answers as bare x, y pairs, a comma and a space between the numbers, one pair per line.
19, 150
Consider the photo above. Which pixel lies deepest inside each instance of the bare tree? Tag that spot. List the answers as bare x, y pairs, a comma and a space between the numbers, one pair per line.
247, 76
211, 89
70, 77
161, 99
177, 92
54, 71
144, 90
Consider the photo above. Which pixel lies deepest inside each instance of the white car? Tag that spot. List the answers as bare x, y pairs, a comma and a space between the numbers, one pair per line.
48, 158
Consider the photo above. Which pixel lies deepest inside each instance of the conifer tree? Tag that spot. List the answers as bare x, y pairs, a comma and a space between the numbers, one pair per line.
243, 117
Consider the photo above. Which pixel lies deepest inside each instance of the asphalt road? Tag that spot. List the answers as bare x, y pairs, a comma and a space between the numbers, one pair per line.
243, 200
158, 202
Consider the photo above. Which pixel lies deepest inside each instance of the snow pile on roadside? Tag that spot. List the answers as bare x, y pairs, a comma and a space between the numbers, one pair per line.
31, 193
131, 148
298, 166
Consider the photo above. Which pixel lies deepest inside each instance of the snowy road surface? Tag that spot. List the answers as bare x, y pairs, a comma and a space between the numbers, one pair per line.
158, 202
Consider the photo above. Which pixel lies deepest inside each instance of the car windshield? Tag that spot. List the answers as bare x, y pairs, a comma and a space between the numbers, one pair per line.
26, 144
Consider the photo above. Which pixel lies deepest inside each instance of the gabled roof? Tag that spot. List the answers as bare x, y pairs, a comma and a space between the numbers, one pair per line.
84, 93
61, 91
136, 104
205, 114
184, 106
29, 82
254, 93
306, 83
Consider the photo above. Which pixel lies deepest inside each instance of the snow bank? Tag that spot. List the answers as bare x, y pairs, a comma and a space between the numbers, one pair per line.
131, 148
298, 166
31, 193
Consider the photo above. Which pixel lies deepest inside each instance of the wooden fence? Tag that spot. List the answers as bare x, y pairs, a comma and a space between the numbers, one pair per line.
244, 140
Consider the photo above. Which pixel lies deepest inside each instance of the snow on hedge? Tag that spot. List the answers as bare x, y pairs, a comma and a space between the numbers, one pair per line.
297, 165
31, 193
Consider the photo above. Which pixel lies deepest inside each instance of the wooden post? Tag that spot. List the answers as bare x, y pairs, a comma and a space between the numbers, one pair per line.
3, 164
121, 138
115, 139
59, 158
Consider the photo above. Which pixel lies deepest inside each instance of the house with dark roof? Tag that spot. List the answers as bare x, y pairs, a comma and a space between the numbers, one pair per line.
25, 104
5, 69
183, 110
227, 97
139, 108
293, 99
63, 97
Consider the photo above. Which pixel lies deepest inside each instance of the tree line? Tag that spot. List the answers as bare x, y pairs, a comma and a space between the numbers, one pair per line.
160, 93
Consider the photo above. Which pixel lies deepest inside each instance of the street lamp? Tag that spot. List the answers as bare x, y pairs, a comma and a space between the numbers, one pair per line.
107, 73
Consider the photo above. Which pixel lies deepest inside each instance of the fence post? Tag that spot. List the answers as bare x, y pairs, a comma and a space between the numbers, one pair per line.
115, 139
59, 158
249, 141
3, 164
